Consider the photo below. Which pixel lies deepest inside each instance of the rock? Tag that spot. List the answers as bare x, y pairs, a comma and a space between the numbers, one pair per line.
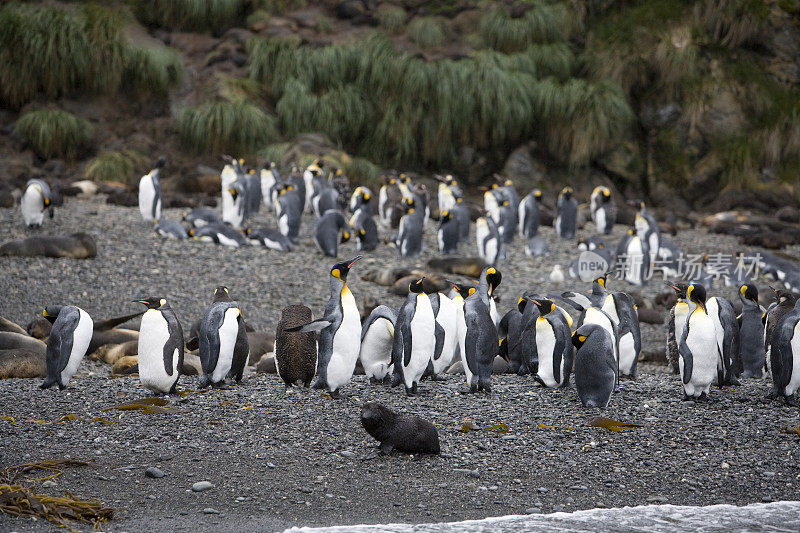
350, 9
266, 365
10, 327
533, 510
20, 341
19, 363
39, 328
456, 368
348, 454
657, 499
191, 365
499, 365
788, 214
154, 473
210, 510
49, 484
125, 366
201, 486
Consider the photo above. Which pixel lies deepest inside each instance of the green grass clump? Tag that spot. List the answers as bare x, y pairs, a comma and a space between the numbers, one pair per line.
274, 152
115, 166
55, 133
191, 15
541, 23
426, 32
391, 18
225, 127
51, 51
362, 171
278, 7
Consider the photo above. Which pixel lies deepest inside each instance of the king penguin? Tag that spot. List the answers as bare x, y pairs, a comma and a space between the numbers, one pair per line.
224, 348
727, 329
36, 199
327, 229
507, 226
414, 339
751, 333
446, 312
633, 258
377, 338
647, 229
785, 357
160, 346
604, 212
289, 210
529, 217
339, 333
462, 216
219, 234
553, 346
567, 214
271, 238
448, 234
201, 216
234, 213
409, 233
150, 193
621, 308
269, 179
783, 305
596, 370
478, 341
67, 344
697, 347
677, 320
490, 245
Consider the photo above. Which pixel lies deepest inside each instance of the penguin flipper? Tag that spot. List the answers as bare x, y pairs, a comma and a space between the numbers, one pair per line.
62, 333
685, 353
576, 300
316, 326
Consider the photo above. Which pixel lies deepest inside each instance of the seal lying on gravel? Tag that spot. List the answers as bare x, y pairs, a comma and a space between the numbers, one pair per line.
22, 364
406, 433
74, 246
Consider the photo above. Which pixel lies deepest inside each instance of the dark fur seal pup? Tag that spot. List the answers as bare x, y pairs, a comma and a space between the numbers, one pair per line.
395, 431
295, 352
74, 246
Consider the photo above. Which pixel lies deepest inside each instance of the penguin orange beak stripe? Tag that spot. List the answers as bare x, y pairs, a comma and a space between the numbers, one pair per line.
353, 262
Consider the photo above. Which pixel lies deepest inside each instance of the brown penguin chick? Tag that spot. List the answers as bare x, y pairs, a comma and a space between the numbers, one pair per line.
395, 431
295, 352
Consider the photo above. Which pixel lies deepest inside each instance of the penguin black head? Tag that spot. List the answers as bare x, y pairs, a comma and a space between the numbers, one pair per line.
416, 286
190, 233
503, 349
233, 192
631, 231
493, 278
404, 178
153, 302
247, 231
222, 294
51, 312
537, 194
345, 236
340, 270
601, 280
463, 291
697, 294
409, 204
446, 216
545, 306
566, 192
578, 339
606, 194
679, 288
522, 303
749, 292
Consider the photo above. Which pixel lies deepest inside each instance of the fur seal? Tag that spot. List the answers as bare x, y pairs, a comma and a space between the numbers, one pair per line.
74, 246
111, 336
125, 366
39, 328
266, 365
464, 266
18, 341
395, 431
295, 352
111, 353
22, 364
10, 327
260, 343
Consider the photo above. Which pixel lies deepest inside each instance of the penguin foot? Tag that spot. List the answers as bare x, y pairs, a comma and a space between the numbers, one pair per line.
337, 395
705, 398
792, 400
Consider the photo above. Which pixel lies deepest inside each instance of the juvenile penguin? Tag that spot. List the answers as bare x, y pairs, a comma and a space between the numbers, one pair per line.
697, 347
219, 234
150, 193
567, 214
327, 229
394, 431
295, 352
751, 333
377, 338
785, 357
478, 340
409, 234
36, 199
223, 342
596, 370
448, 234
67, 344
339, 332
553, 346
160, 346
490, 245
529, 218
414, 339
604, 212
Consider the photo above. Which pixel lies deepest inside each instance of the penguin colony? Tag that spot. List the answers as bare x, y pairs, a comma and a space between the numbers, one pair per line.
707, 343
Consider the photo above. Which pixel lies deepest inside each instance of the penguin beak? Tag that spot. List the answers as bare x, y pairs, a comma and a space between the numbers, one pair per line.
353, 261
142, 301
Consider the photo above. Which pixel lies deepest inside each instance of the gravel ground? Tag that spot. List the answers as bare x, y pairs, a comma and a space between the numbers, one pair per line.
279, 459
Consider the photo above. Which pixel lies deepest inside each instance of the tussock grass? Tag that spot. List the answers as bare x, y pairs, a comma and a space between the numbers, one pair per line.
362, 171
115, 166
391, 18
731, 23
191, 15
50, 51
426, 32
541, 23
55, 133
225, 127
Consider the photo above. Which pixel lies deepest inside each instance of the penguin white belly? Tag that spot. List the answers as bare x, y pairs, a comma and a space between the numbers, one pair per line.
594, 316
423, 341
634, 258
712, 307
521, 218
611, 309
681, 311
440, 239
627, 354
600, 220
491, 251
283, 225
794, 379
32, 206
655, 243
545, 345
462, 343
272, 245
227, 241
267, 181
154, 334
346, 343
702, 342
493, 312
80, 343
448, 320
558, 225
147, 194
481, 232
228, 332
376, 349
382, 203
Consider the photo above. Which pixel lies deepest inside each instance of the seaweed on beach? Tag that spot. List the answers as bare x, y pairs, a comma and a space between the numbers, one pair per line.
148, 406
21, 500
613, 425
